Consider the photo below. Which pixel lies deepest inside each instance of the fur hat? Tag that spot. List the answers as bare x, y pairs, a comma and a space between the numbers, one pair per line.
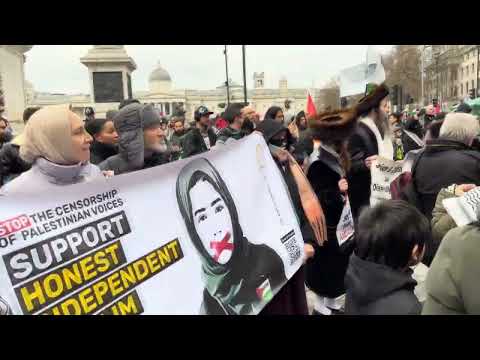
335, 125
372, 99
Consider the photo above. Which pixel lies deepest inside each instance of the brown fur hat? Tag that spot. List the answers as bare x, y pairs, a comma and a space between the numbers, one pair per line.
372, 100
335, 125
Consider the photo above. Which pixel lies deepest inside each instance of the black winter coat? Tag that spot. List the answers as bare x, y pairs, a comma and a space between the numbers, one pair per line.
227, 133
375, 289
177, 140
415, 126
441, 164
408, 143
193, 143
325, 272
100, 152
361, 145
11, 164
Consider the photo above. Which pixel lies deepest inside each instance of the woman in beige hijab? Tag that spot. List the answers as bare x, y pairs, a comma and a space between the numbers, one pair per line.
58, 147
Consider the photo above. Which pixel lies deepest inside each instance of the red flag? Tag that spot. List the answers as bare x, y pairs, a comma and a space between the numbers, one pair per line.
311, 110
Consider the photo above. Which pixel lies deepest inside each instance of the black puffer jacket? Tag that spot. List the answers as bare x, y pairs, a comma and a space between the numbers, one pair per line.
375, 289
441, 164
129, 124
194, 144
11, 164
100, 152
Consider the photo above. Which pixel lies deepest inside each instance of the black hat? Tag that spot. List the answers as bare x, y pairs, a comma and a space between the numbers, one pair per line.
372, 99
335, 125
202, 111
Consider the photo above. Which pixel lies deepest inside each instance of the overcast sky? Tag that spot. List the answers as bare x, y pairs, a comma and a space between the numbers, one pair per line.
57, 68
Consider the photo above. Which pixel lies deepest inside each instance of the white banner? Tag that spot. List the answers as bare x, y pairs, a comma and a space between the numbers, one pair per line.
346, 226
383, 172
463, 210
353, 80
212, 234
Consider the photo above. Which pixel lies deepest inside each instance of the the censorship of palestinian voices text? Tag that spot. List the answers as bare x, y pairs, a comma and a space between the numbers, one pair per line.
195, 236
463, 210
383, 171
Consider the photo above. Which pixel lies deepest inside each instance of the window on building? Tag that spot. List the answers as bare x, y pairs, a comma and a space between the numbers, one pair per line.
473, 68
462, 73
466, 87
473, 84
455, 91
461, 89
467, 69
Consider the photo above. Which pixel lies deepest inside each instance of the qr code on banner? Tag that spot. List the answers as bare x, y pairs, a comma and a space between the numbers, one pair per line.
291, 246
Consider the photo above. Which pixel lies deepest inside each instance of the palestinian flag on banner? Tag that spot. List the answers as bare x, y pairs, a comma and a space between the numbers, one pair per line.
264, 291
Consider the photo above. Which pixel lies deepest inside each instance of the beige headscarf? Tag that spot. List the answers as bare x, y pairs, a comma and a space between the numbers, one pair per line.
48, 134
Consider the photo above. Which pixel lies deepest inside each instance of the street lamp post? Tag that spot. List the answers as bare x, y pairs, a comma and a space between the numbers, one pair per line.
244, 76
478, 63
421, 75
226, 70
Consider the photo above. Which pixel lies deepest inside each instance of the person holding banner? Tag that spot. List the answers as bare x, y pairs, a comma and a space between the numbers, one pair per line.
291, 300
240, 277
58, 147
371, 139
326, 170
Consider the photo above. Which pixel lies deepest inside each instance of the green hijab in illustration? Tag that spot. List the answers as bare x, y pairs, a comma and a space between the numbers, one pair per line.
240, 277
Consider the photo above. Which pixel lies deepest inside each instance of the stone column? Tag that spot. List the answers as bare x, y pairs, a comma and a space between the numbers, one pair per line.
12, 60
108, 65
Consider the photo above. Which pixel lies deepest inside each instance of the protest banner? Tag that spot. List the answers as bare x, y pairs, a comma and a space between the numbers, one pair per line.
346, 226
384, 172
463, 209
195, 236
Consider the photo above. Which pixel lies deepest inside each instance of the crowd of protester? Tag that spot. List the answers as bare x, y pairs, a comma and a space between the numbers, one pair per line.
325, 158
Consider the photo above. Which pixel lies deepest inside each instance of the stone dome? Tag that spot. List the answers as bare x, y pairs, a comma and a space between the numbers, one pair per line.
159, 74
160, 80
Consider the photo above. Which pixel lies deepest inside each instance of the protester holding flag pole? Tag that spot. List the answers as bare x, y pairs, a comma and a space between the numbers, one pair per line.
291, 300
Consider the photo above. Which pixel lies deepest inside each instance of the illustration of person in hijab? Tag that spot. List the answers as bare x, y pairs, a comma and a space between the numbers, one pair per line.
240, 277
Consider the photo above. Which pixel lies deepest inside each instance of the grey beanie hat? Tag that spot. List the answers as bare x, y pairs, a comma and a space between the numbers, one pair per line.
150, 116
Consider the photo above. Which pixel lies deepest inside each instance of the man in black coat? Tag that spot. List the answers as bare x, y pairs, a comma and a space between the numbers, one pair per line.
371, 139
447, 160
140, 144
11, 164
200, 138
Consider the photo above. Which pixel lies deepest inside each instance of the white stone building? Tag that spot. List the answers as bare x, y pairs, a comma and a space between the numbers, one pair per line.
166, 97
